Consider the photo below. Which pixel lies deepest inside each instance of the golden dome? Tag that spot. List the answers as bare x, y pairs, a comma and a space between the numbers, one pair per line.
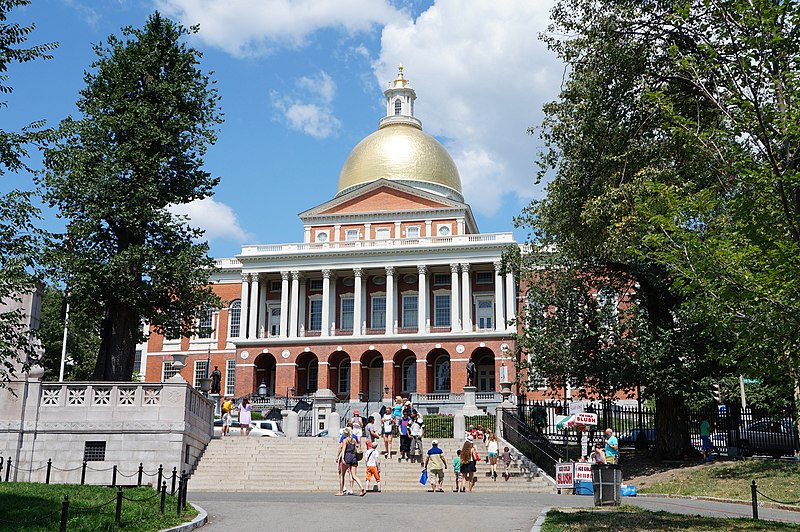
400, 151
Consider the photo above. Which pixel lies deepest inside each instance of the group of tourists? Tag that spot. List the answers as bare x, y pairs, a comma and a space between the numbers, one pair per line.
606, 451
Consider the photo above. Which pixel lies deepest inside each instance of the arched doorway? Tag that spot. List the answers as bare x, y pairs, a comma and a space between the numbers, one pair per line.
438, 364
372, 375
405, 374
265, 372
339, 374
483, 357
306, 376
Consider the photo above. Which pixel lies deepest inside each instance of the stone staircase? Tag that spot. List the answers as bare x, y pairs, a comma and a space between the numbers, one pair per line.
309, 464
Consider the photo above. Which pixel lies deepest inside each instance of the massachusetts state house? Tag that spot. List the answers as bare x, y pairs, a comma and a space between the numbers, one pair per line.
391, 290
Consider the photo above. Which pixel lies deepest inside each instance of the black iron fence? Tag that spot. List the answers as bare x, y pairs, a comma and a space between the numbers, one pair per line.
531, 443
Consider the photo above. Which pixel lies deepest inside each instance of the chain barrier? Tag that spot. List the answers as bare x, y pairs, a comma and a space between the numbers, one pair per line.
145, 473
90, 508
32, 521
120, 473
100, 470
156, 494
792, 503
67, 470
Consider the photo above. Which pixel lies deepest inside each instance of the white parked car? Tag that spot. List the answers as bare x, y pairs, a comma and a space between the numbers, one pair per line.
259, 428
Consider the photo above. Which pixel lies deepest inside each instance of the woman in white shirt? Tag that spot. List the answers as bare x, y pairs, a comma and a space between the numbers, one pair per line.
492, 449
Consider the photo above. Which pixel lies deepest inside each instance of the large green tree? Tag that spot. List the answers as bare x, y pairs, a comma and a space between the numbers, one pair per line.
20, 238
148, 115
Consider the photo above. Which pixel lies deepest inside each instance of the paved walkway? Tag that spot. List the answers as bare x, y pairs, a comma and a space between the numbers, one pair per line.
442, 512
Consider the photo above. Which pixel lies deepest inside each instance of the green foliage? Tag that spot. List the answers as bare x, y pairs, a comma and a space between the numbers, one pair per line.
20, 239
149, 114
83, 339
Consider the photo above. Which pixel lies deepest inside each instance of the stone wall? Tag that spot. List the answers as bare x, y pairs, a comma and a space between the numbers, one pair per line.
167, 424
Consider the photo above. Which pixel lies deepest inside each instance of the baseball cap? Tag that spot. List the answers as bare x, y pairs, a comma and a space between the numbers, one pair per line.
355, 411
435, 443
369, 444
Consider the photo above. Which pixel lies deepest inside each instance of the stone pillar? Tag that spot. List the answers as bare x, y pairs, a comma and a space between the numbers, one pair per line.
499, 310
262, 311
428, 230
459, 426
243, 315
455, 307
291, 425
334, 304
357, 300
252, 328
469, 402
511, 299
324, 406
503, 407
301, 307
284, 304
466, 302
333, 422
422, 301
294, 302
390, 305
460, 226
367, 231
326, 302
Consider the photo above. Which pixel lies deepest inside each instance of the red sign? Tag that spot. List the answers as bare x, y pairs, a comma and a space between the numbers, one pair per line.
583, 471
564, 475
586, 418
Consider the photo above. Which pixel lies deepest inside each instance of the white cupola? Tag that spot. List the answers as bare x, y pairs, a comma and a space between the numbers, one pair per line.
400, 102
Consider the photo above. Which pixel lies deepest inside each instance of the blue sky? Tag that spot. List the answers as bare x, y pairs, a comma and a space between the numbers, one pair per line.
301, 83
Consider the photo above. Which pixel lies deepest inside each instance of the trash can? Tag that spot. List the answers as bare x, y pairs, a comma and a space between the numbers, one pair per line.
606, 483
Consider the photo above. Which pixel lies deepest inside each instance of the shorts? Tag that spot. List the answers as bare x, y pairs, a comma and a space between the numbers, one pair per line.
226, 419
492, 455
459, 476
372, 471
706, 443
439, 473
612, 459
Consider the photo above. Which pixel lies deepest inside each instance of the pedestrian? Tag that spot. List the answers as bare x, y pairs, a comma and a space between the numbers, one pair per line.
705, 439
598, 456
492, 449
438, 463
227, 408
357, 424
506, 458
405, 437
347, 455
407, 408
417, 431
397, 411
373, 460
371, 430
245, 417
469, 459
612, 447
387, 429
457, 476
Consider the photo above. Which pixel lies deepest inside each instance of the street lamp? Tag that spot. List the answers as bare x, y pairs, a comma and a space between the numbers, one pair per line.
262, 388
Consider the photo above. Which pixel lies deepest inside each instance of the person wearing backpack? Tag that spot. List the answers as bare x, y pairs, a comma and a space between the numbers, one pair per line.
416, 430
373, 460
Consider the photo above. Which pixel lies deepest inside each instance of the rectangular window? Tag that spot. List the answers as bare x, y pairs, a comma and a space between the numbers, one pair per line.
199, 372
410, 306
94, 451
382, 233
412, 232
230, 377
351, 234
485, 313
168, 371
441, 279
275, 286
205, 323
344, 378
347, 313
484, 277
315, 284
378, 320
315, 315
137, 361
441, 310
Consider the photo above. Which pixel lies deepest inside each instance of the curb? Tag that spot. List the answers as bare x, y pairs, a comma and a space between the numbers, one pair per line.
537, 526
772, 505
197, 522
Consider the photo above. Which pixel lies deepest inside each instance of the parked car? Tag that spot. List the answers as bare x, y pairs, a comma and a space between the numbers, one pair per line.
629, 438
719, 439
259, 428
768, 437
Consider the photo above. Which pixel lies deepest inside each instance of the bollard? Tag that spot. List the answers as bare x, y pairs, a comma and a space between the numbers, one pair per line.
114, 477
8, 468
49, 465
139, 479
2, 464
163, 496
118, 513
64, 514
174, 474
83, 473
754, 497
180, 490
185, 488
160, 474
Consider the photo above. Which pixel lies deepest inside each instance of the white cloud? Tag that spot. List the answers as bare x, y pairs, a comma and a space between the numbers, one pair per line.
481, 75
256, 27
313, 113
215, 218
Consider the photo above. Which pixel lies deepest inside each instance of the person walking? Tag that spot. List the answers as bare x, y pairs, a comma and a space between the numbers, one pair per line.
405, 437
705, 439
371, 430
417, 430
612, 447
506, 458
245, 417
387, 429
457, 476
438, 463
492, 449
469, 459
373, 460
227, 408
347, 456
357, 424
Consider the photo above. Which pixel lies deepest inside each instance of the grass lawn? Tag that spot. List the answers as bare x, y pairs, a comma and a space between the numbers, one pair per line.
777, 479
22, 502
631, 518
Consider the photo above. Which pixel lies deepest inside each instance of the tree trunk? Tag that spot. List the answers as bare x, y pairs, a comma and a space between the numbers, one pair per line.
118, 336
672, 428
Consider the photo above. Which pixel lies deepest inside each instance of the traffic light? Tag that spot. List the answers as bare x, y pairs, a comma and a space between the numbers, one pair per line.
716, 392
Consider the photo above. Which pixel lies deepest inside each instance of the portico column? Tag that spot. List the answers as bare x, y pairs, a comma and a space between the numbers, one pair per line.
455, 309
422, 300
511, 299
466, 302
243, 316
294, 301
326, 302
261, 331
252, 329
389, 299
284, 304
499, 307
357, 272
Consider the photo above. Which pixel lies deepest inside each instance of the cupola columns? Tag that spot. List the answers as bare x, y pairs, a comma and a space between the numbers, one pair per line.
400, 96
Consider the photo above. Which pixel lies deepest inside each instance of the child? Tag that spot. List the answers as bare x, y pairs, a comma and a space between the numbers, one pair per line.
506, 458
598, 456
457, 470
373, 461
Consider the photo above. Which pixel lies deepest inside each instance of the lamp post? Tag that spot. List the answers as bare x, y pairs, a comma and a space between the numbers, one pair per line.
262, 388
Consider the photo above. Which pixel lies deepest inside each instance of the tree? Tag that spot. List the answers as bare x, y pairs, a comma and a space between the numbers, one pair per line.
148, 115
20, 238
83, 338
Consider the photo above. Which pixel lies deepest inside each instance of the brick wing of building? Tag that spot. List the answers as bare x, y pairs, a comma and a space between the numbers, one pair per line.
391, 291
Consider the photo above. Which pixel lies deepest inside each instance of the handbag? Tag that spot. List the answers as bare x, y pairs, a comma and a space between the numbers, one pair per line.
423, 479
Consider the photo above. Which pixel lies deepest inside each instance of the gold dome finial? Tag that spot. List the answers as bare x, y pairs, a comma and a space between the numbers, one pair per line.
400, 82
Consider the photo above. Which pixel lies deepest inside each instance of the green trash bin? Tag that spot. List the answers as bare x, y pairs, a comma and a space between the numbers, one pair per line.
606, 483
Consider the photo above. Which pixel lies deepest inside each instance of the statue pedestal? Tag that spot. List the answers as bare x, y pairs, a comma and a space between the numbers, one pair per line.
469, 402
215, 398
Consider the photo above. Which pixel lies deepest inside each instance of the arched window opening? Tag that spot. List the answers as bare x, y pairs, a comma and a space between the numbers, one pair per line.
398, 106
441, 372
409, 372
344, 376
234, 317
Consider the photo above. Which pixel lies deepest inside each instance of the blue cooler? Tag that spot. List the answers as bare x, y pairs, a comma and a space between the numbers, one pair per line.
584, 487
